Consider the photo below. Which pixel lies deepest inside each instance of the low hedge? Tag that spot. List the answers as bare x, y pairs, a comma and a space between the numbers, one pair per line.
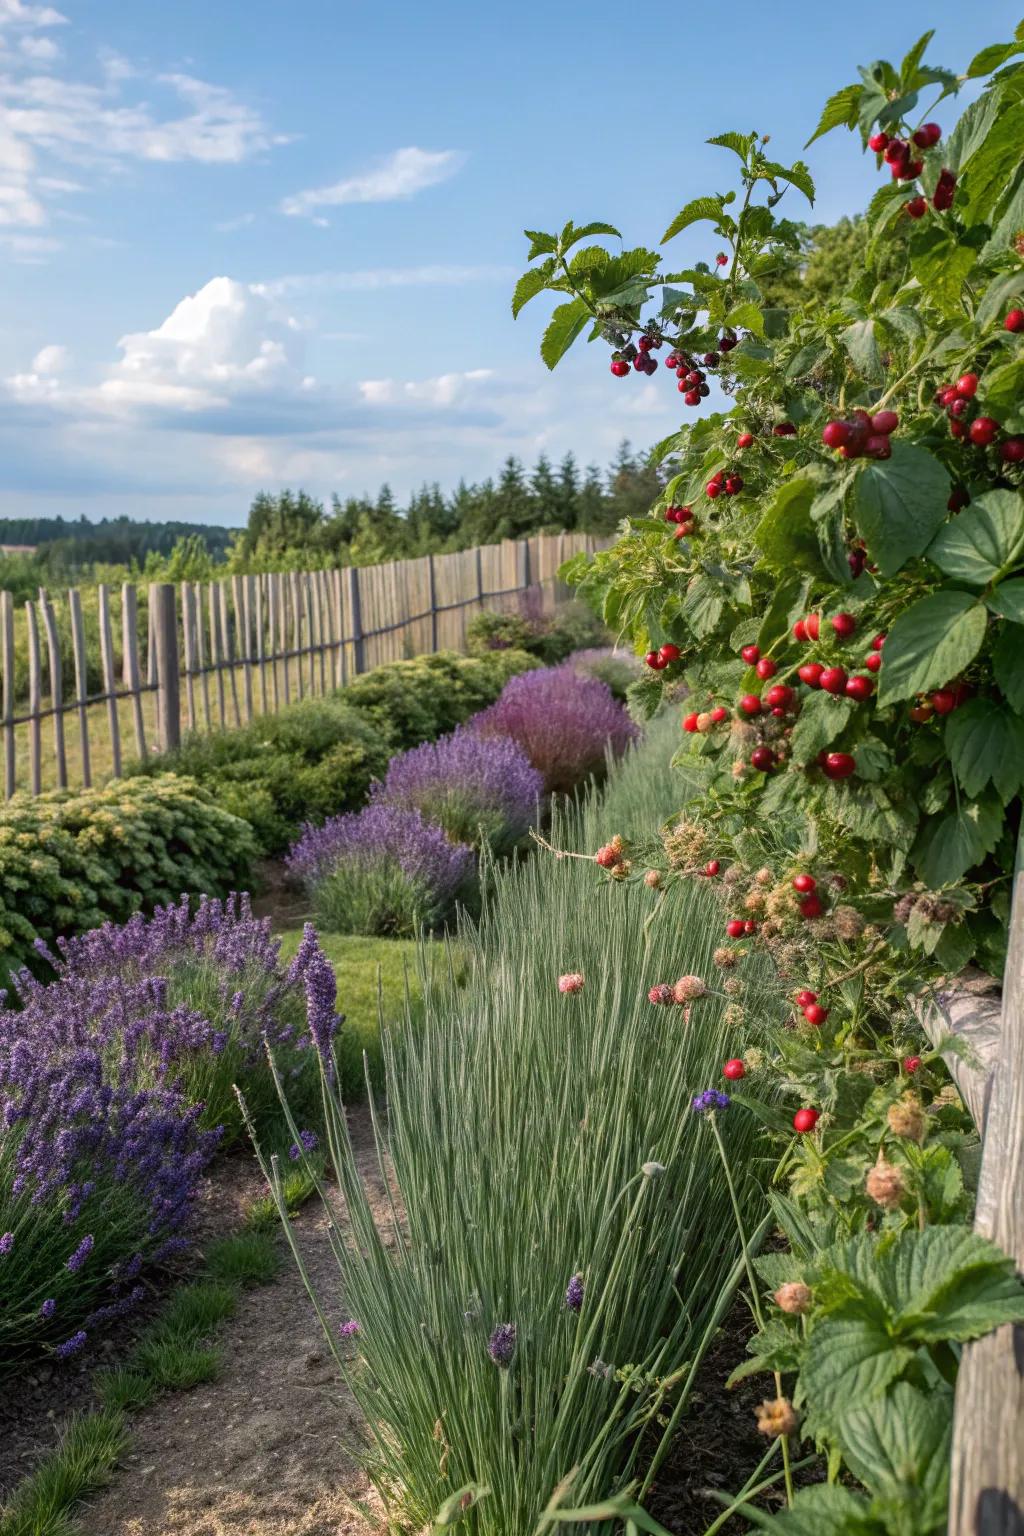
71, 859
418, 700
550, 637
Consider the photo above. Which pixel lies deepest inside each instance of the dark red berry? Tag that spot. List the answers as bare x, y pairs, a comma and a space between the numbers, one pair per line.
895, 151
945, 190
885, 422
670, 653
844, 624
943, 701
645, 343
712, 359
712, 867
733, 485
878, 446
917, 207
713, 488
654, 660
804, 884
749, 926
691, 397
859, 688
967, 386
762, 758
878, 142
780, 696
690, 723
873, 662
833, 680
734, 928
620, 368
1014, 320
836, 434
814, 1013
958, 500
805, 997
927, 136
805, 1120
734, 1070
810, 907
1012, 451
766, 667
750, 704
784, 429
750, 654
838, 765
959, 408
810, 673
983, 430
744, 440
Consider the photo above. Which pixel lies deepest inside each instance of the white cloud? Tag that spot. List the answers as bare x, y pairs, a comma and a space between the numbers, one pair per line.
42, 49
371, 279
228, 226
445, 390
50, 360
400, 175
15, 13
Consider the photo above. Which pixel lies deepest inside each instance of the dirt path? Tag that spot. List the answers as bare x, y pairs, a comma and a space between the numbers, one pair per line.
258, 1452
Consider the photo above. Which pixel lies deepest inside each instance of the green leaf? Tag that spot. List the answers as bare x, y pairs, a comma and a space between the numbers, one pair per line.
786, 533
999, 293
530, 284
899, 505
700, 208
850, 1359
822, 718
931, 643
909, 67
740, 143
1003, 388
1008, 664
985, 742
861, 343
840, 111
976, 546
540, 244
702, 607
571, 235
1008, 600
947, 848
747, 317
990, 167
823, 1510
898, 1446
941, 265
798, 175
563, 328
991, 58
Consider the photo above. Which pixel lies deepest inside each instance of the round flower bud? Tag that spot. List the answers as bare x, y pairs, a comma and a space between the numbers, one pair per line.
775, 1417
688, 988
794, 1297
884, 1183
572, 982
906, 1118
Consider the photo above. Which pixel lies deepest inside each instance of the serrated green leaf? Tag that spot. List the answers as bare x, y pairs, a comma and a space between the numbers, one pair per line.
931, 643
540, 244
822, 718
999, 294
898, 1447
563, 328
797, 175
850, 1359
991, 58
786, 534
978, 544
1008, 664
530, 284
700, 208
985, 742
740, 143
747, 317
949, 846
840, 111
1003, 389
584, 232
972, 130
991, 165
942, 264
909, 67
1008, 600
860, 342
900, 504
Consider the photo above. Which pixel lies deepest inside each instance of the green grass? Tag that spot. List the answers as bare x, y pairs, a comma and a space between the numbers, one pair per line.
77, 1467
244, 1259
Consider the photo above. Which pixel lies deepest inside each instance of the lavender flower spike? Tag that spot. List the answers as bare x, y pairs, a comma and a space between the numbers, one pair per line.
574, 1294
710, 1099
501, 1345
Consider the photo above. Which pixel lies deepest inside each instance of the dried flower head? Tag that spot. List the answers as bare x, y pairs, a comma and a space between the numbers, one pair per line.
733, 1015
724, 957
794, 1297
764, 876
754, 901
885, 1184
653, 879
662, 994
622, 869
907, 1119
739, 769
684, 844
688, 988
849, 924
753, 1059
776, 1418
732, 986
572, 982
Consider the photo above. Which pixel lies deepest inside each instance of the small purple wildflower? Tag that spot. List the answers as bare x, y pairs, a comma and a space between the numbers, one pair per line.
81, 1253
6, 1244
710, 1099
71, 1346
501, 1345
350, 1329
48, 1308
574, 1294
308, 1142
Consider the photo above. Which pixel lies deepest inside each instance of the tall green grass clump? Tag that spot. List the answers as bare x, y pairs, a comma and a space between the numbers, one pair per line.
566, 1243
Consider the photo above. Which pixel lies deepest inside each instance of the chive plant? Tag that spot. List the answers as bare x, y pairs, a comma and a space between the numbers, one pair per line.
561, 1243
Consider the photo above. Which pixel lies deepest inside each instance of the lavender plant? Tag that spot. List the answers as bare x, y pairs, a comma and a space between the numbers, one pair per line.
385, 870
565, 722
479, 789
616, 669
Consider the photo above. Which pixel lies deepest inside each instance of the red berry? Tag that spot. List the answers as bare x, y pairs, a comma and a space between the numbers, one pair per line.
814, 1013
670, 653
690, 723
766, 667
750, 654
812, 626
749, 926
959, 407
726, 343
921, 713
733, 485
810, 907
878, 142
734, 1070
799, 630
911, 1063
958, 429
896, 150
1014, 320
718, 714
967, 386
744, 440
620, 368
734, 928
878, 446
856, 560
878, 642
712, 359
927, 136
805, 1120
917, 207
685, 531
692, 397
778, 711
836, 434
721, 260
983, 430
945, 189
943, 701
844, 624
805, 997
810, 673
873, 662
712, 867
885, 422
780, 696
763, 759
838, 765
645, 343
784, 429
859, 688
654, 659
833, 680
750, 704
804, 884
1012, 451
713, 488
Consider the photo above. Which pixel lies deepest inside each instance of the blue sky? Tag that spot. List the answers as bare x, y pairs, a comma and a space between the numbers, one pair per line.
248, 245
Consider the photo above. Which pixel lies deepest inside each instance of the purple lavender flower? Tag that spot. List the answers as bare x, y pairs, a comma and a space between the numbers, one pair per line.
6, 1244
320, 985
350, 1329
81, 1253
48, 1308
308, 1141
472, 786
565, 722
710, 1099
574, 1294
501, 1345
71, 1346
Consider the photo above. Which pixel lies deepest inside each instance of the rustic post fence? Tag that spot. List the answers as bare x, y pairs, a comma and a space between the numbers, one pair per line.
163, 620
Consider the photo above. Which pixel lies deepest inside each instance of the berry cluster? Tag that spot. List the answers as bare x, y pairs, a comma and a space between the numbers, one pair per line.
905, 165
686, 524
692, 379
982, 431
729, 483
660, 659
863, 436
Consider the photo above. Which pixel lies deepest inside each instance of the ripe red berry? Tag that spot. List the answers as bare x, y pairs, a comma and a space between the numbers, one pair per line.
750, 654
810, 673
927, 136
983, 430
895, 151
878, 642
877, 446
749, 926
873, 661
812, 626
763, 759
669, 653
943, 701
690, 723
734, 1070
655, 660
814, 1013
1014, 320
921, 713
784, 429
878, 142
767, 667
804, 884
721, 260
810, 907
727, 342
844, 624
645, 343
734, 928
958, 429
712, 867
733, 485
780, 696
692, 397
799, 630
836, 434
805, 997
917, 207
750, 704
805, 1120
967, 386
1012, 451
838, 765
911, 1063
959, 408
712, 359
718, 714
856, 560
833, 680
945, 189
860, 688
713, 488
744, 440
885, 422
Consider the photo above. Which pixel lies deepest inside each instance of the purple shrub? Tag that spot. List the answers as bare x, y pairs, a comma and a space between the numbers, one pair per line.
565, 722
477, 788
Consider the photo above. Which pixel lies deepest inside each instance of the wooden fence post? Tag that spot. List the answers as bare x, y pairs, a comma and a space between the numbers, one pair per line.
523, 564
163, 618
432, 590
81, 680
132, 673
355, 618
7, 658
109, 678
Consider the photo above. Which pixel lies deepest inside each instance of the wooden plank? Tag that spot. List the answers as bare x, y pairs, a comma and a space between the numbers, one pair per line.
188, 613
56, 687
10, 682
216, 660
227, 648
204, 676
35, 701
323, 624
296, 598
337, 608
306, 588
273, 597
130, 649
243, 639
316, 630
355, 619
282, 591
109, 677
163, 621
81, 680
261, 648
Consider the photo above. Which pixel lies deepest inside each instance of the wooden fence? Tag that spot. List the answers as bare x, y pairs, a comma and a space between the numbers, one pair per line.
204, 655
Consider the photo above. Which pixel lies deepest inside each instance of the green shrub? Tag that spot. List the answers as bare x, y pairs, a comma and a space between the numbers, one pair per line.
551, 638
71, 859
414, 701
